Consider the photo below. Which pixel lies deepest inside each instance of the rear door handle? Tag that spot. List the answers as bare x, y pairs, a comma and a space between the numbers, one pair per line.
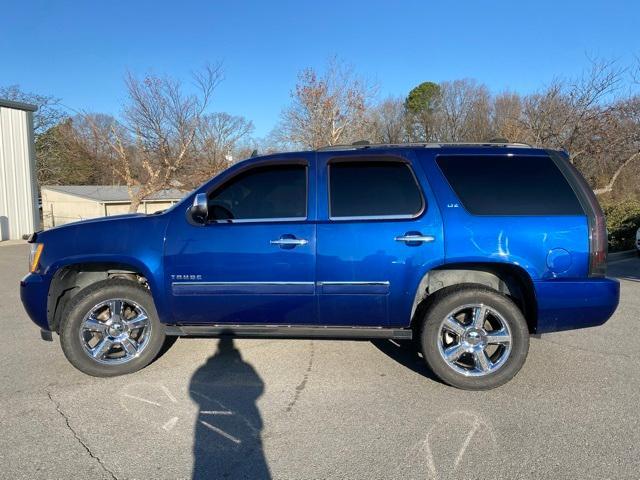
415, 238
289, 241
286, 241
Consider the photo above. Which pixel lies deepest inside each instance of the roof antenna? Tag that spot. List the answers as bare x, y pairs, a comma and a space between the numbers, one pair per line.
254, 153
361, 143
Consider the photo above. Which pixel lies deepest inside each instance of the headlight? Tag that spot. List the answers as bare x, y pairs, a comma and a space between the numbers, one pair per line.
34, 256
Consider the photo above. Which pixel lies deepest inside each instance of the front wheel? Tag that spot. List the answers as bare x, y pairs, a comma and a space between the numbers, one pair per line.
111, 328
474, 338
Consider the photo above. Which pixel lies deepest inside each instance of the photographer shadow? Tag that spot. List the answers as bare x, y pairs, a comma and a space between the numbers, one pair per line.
228, 427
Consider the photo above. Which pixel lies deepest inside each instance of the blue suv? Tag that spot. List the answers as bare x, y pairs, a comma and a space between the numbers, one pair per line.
466, 249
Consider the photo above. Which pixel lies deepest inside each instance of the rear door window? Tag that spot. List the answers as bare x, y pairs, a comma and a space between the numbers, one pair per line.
377, 188
509, 185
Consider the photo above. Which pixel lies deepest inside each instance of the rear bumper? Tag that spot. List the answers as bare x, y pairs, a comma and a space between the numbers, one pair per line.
34, 290
570, 304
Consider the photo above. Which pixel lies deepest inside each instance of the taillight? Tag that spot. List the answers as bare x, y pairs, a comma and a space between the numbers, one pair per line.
597, 243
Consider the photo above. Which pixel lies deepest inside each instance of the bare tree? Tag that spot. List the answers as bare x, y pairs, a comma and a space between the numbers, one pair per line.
157, 136
326, 109
93, 135
49, 111
506, 117
559, 115
387, 121
218, 139
463, 113
617, 144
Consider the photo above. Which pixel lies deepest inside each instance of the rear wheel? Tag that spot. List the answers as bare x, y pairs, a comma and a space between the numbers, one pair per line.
111, 328
474, 338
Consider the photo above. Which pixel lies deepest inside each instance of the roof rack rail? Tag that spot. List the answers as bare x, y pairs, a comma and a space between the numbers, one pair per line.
363, 146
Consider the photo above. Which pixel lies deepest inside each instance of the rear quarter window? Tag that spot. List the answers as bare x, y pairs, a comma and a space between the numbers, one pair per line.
509, 185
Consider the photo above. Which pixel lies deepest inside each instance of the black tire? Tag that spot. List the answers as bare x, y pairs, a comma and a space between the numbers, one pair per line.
82, 304
446, 301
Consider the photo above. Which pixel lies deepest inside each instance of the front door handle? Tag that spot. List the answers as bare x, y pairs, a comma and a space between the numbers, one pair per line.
415, 238
288, 241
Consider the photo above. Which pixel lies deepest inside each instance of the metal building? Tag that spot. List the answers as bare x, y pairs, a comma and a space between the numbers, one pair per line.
18, 191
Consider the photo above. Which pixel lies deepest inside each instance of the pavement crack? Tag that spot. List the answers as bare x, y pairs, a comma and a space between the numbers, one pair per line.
303, 384
77, 437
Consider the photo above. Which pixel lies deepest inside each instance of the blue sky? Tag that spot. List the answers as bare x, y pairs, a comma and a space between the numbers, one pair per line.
80, 51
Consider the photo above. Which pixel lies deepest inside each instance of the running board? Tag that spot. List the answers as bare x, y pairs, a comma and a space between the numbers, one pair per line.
288, 331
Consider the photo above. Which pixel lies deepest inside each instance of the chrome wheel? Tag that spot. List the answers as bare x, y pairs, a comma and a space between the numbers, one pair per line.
474, 340
115, 331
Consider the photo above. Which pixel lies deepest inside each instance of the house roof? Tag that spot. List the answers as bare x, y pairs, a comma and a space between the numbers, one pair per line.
109, 193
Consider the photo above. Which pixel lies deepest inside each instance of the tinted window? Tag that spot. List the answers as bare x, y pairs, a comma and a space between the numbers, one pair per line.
263, 192
373, 188
501, 185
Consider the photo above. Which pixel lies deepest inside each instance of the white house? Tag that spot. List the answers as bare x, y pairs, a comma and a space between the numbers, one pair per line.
70, 203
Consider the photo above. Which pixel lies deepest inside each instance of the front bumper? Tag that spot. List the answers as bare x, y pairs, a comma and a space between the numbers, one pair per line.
570, 304
34, 290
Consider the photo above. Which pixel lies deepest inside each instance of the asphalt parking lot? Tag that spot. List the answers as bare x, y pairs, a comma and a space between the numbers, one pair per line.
298, 409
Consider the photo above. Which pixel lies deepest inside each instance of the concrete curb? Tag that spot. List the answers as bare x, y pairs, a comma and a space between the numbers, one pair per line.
621, 255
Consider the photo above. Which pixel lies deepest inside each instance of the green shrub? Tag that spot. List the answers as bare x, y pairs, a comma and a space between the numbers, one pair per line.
623, 220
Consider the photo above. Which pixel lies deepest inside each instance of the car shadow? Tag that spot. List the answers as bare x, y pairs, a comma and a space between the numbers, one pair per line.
169, 341
228, 442
406, 353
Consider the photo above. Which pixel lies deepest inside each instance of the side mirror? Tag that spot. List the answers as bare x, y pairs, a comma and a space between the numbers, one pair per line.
199, 211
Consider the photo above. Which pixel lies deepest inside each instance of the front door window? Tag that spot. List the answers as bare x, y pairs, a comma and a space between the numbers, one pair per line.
262, 193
